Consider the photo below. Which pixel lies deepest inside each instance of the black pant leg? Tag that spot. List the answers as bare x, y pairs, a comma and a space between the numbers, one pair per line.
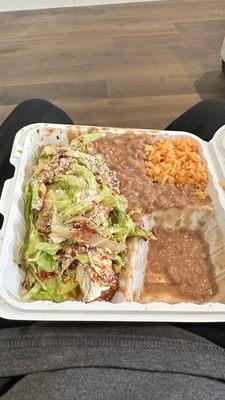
215, 332
31, 111
203, 119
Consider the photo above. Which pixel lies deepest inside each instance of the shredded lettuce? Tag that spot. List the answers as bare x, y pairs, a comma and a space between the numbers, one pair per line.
84, 140
76, 221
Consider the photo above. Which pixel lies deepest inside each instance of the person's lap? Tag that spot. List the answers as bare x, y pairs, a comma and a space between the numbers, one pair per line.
203, 120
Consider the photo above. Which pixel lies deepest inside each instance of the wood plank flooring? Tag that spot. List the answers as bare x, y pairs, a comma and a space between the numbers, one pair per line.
137, 65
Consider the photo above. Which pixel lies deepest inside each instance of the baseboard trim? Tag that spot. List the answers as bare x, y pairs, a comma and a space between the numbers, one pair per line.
17, 5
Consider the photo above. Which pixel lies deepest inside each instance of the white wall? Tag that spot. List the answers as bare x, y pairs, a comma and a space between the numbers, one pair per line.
12, 5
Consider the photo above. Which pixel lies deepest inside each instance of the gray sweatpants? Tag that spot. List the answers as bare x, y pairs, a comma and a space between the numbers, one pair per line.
87, 361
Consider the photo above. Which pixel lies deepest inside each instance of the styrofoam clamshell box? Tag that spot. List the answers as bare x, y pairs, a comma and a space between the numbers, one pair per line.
13, 231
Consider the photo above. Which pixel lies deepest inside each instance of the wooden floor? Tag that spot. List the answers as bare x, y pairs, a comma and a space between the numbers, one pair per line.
136, 65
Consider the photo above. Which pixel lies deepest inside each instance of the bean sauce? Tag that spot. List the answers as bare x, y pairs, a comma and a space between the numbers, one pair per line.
182, 257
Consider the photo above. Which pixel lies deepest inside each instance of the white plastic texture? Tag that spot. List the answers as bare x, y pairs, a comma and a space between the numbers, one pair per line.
13, 231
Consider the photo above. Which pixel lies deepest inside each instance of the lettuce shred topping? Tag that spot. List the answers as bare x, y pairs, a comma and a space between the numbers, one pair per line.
77, 224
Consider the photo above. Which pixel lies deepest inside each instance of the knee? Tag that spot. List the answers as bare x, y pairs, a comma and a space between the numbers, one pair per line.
33, 104
209, 105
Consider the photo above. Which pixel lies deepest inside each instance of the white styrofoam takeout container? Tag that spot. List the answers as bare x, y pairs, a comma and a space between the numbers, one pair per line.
13, 231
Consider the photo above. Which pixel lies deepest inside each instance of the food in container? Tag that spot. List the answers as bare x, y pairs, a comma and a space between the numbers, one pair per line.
127, 156
162, 174
168, 209
77, 225
78, 222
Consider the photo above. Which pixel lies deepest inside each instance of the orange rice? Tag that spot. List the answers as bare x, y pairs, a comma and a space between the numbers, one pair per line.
177, 162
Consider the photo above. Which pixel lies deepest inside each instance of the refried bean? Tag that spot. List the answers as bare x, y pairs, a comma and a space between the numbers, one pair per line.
182, 257
125, 155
